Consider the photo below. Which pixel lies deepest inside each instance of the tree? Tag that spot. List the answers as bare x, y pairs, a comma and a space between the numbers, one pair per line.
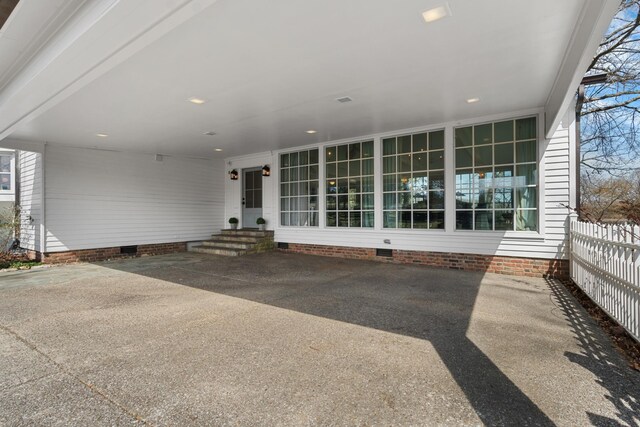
610, 115
607, 198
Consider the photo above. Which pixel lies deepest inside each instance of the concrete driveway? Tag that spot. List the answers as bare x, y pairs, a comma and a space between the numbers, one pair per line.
286, 339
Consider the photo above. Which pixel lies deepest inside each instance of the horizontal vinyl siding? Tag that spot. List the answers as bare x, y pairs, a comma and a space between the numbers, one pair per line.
31, 173
101, 199
555, 180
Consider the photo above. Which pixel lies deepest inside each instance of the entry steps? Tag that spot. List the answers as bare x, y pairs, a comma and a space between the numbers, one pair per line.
236, 242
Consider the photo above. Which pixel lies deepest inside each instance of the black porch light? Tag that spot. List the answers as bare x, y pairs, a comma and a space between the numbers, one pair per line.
233, 175
266, 170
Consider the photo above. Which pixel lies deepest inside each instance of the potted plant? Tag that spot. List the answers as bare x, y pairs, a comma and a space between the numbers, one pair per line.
261, 223
234, 222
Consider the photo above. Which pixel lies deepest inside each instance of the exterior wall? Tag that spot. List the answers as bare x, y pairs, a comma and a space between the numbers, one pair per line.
105, 199
31, 200
550, 242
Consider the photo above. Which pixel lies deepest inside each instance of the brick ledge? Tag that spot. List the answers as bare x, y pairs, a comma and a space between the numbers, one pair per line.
531, 267
102, 254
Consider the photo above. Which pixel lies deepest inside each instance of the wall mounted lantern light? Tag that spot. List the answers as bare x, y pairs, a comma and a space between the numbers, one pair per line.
233, 175
266, 170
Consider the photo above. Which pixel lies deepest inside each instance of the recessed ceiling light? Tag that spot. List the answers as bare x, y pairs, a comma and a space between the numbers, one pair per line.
210, 133
195, 100
311, 131
102, 135
472, 100
217, 149
436, 13
344, 99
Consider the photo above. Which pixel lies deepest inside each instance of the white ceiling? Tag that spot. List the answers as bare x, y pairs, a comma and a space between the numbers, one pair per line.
272, 70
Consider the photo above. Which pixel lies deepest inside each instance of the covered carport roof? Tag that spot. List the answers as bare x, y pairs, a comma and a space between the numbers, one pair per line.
270, 71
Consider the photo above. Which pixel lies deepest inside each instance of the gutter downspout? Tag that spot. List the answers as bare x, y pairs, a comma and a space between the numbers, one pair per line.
579, 103
592, 79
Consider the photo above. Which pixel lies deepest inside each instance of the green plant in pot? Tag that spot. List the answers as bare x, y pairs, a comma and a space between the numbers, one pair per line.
233, 221
261, 223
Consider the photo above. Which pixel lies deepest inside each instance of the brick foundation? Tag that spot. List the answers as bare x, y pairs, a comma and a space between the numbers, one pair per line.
33, 255
493, 264
101, 254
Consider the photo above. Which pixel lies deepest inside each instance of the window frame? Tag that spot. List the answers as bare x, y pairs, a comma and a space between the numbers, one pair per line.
428, 210
538, 162
361, 193
11, 173
318, 196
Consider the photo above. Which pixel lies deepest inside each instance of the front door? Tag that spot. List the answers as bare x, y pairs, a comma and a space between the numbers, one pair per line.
251, 197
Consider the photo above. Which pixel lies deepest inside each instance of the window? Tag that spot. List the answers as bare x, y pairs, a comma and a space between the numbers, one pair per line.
496, 176
413, 181
349, 184
253, 189
6, 182
299, 188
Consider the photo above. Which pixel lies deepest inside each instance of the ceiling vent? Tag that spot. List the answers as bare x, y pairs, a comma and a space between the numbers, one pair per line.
344, 99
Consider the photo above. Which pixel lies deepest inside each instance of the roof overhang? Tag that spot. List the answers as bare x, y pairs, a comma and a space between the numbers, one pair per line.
271, 71
592, 24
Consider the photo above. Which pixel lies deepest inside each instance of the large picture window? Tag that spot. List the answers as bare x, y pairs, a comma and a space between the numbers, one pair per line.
496, 176
349, 184
299, 188
413, 181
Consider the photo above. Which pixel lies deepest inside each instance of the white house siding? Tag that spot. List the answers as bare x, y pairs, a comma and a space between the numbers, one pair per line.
31, 208
98, 199
549, 243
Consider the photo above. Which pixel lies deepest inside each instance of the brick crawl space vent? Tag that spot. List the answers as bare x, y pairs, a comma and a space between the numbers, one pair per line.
129, 250
384, 252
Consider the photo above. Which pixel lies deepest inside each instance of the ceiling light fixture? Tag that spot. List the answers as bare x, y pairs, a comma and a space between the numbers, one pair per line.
472, 100
102, 135
217, 149
344, 99
210, 133
197, 101
311, 131
436, 13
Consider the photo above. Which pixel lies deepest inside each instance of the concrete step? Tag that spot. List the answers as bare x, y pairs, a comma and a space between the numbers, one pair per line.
234, 238
218, 251
247, 233
228, 244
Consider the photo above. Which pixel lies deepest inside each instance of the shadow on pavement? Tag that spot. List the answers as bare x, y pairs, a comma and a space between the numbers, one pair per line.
375, 295
596, 358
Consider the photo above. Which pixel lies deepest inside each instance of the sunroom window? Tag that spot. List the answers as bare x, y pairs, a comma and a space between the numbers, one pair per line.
413, 181
496, 176
299, 188
349, 184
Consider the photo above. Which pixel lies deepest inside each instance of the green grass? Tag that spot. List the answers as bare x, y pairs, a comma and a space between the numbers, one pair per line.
21, 265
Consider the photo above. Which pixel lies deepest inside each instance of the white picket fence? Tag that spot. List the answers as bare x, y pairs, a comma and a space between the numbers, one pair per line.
605, 264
